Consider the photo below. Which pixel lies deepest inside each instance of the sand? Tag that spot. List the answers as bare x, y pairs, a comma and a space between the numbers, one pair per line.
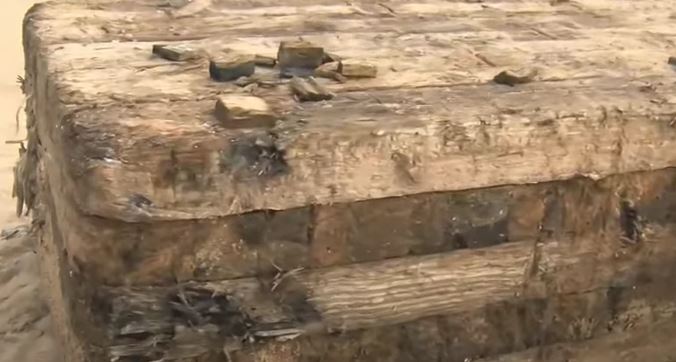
24, 319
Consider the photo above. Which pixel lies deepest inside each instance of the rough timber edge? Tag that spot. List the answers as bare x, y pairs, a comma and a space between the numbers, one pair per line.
56, 276
525, 149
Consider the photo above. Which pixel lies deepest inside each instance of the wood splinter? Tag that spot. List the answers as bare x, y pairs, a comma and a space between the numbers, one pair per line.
243, 111
512, 78
232, 68
176, 53
309, 90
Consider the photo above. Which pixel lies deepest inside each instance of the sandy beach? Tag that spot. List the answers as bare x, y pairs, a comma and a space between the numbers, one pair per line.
24, 319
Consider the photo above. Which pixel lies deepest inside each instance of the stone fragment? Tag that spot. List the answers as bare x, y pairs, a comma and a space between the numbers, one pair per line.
309, 90
512, 78
231, 68
357, 69
244, 111
672, 61
262, 80
175, 52
330, 71
264, 61
299, 55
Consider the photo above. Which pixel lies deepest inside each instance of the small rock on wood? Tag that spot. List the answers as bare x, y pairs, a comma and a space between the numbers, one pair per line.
299, 54
330, 71
176, 53
244, 111
672, 61
357, 69
512, 78
263, 61
228, 69
309, 90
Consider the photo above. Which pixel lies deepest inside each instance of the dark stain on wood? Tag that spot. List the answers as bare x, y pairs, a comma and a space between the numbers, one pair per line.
255, 157
630, 222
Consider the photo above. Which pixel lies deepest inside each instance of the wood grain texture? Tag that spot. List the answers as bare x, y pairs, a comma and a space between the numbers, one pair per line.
262, 243
142, 143
627, 284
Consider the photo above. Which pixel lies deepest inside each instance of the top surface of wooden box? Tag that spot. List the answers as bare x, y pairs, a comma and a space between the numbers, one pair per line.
135, 136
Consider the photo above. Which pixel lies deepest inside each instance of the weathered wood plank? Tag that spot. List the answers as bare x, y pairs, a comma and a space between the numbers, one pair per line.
151, 148
104, 21
86, 70
340, 155
263, 242
372, 295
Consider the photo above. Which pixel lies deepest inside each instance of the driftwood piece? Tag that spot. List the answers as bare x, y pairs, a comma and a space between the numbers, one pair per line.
239, 111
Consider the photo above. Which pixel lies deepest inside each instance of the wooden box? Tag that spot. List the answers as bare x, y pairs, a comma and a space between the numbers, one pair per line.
428, 213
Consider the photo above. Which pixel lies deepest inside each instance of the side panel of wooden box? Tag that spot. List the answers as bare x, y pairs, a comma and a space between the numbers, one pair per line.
449, 307
504, 298
118, 253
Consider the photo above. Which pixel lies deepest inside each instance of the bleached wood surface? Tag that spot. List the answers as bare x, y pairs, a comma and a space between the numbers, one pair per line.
139, 139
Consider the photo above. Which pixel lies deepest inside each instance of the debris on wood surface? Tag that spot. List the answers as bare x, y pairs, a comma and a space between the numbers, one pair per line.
330, 71
299, 57
262, 80
357, 69
176, 52
227, 69
512, 78
243, 111
309, 90
672, 60
264, 61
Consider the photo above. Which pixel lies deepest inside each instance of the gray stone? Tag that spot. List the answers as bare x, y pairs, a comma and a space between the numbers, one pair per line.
244, 111
175, 52
299, 54
232, 68
309, 90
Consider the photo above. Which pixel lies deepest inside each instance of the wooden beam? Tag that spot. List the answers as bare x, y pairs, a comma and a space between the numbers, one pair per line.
398, 150
432, 120
387, 293
103, 21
